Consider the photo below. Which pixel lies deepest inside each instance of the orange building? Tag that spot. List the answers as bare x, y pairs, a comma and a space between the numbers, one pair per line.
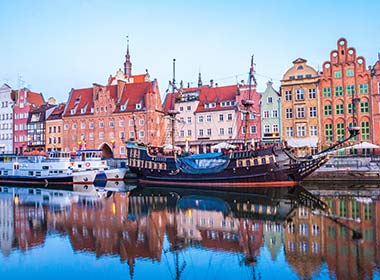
54, 129
345, 95
104, 117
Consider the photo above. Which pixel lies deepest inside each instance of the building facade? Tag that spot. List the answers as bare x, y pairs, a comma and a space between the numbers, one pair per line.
300, 107
375, 101
54, 129
7, 96
345, 95
25, 101
270, 111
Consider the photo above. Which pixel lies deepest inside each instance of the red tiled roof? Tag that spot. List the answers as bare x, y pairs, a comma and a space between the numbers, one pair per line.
35, 98
169, 101
216, 94
57, 113
131, 95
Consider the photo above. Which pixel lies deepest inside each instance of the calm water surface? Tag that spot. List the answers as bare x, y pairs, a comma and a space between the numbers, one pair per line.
324, 232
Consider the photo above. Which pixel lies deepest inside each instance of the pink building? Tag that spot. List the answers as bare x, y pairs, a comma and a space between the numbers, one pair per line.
25, 101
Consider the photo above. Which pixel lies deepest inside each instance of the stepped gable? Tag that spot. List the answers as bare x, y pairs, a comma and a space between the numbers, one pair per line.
216, 94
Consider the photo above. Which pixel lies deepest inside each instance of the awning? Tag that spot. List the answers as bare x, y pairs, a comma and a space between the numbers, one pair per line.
303, 142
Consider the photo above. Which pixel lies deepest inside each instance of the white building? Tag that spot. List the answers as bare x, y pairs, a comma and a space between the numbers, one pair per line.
6, 119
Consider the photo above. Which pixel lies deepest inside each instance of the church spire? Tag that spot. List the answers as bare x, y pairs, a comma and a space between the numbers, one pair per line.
199, 79
127, 63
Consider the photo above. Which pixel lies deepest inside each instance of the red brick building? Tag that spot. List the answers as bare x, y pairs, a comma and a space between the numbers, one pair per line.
345, 95
375, 94
104, 117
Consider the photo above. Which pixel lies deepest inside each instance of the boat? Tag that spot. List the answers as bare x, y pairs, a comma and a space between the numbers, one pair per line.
245, 168
42, 170
92, 160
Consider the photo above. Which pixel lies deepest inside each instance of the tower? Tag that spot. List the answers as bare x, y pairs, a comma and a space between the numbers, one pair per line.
127, 63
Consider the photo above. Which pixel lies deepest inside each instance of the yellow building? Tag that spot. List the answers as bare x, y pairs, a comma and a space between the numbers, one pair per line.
300, 107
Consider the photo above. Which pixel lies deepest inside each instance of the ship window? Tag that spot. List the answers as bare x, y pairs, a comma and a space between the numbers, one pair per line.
30, 173
38, 173
45, 167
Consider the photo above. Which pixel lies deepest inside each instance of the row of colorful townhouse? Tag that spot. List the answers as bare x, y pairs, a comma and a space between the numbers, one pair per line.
311, 109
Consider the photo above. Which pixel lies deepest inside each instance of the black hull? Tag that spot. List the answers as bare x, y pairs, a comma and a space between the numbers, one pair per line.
245, 170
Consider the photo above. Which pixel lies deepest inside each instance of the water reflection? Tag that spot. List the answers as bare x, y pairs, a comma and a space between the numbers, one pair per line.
319, 232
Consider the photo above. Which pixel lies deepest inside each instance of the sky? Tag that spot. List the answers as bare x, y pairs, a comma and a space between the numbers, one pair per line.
52, 46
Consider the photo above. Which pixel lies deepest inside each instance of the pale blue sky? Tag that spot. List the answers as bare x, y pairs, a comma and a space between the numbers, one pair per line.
59, 45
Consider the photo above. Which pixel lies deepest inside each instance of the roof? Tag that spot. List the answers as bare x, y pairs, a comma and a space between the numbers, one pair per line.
216, 94
81, 101
35, 98
57, 113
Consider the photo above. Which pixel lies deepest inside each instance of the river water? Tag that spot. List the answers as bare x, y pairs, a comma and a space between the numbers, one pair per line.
309, 232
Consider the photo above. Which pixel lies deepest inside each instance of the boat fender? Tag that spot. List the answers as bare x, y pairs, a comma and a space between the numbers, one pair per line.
85, 179
87, 164
116, 176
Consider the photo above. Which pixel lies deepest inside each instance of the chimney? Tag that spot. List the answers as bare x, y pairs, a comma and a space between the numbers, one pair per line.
211, 83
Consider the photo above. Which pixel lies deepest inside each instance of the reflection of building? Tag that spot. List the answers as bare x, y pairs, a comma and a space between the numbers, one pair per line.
273, 236
304, 242
6, 220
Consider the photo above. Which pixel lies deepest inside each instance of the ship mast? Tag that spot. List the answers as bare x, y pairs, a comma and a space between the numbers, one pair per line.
248, 103
172, 113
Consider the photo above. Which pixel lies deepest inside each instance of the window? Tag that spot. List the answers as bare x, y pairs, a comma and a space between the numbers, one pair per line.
313, 130
301, 130
266, 114
275, 128
339, 109
121, 135
289, 131
181, 109
267, 128
182, 133
101, 135
229, 117
131, 134
200, 132
188, 119
101, 124
112, 124
350, 72
288, 95
209, 131
269, 99
300, 94
138, 106
141, 122
74, 126
350, 90
328, 110
299, 77
378, 88
326, 92
338, 74
189, 132
363, 88
300, 112
328, 132
349, 108
289, 113
141, 133
338, 91
221, 117
274, 113
365, 130
312, 112
292, 77
83, 125
312, 93
364, 107
122, 150
200, 119
221, 131
91, 125
253, 129
188, 108
208, 118
252, 116
340, 130
66, 127
121, 123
